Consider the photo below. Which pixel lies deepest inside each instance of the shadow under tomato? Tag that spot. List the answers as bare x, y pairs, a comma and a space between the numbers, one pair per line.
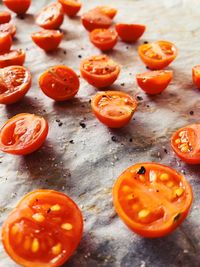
26, 18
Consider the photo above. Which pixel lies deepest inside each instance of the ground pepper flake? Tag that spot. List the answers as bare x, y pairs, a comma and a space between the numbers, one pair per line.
114, 138
191, 112
142, 170
139, 98
82, 124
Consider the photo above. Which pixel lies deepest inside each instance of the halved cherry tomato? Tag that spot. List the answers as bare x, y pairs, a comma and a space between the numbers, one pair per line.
152, 199
104, 39
130, 32
23, 134
15, 81
94, 19
113, 108
71, 7
59, 83
43, 230
18, 6
186, 143
99, 71
5, 42
154, 82
157, 55
107, 10
5, 17
51, 16
196, 76
13, 57
9, 28
47, 39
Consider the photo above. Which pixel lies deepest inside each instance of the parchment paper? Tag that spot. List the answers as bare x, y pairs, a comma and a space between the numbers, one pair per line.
86, 168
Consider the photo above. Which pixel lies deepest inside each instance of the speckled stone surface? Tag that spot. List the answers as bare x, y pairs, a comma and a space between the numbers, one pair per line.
86, 168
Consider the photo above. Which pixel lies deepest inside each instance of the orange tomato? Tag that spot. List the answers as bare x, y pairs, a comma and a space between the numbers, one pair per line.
71, 7
113, 108
18, 6
130, 32
157, 55
5, 42
107, 10
152, 199
23, 134
196, 76
8, 28
99, 71
15, 82
5, 17
13, 57
43, 230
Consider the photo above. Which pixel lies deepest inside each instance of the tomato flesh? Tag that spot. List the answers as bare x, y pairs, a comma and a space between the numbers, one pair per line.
8, 28
71, 7
107, 10
5, 42
130, 32
13, 57
104, 39
19, 6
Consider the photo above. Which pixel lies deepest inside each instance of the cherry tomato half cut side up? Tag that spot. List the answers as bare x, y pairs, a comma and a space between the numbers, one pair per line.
99, 71
130, 32
5, 17
113, 108
15, 82
13, 57
196, 76
152, 199
71, 7
59, 83
47, 40
50, 17
154, 82
104, 39
5, 42
19, 6
107, 10
44, 229
23, 134
185, 143
8, 28
157, 55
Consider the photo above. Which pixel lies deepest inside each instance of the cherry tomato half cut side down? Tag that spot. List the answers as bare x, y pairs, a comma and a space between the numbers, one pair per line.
152, 199
59, 83
50, 17
157, 55
107, 10
99, 71
47, 40
130, 32
5, 17
13, 57
15, 81
5, 42
196, 76
71, 7
113, 108
9, 28
19, 6
23, 134
154, 82
43, 230
104, 39
185, 143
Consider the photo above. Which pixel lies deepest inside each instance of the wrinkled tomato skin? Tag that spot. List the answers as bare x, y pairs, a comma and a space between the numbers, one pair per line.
130, 32
19, 7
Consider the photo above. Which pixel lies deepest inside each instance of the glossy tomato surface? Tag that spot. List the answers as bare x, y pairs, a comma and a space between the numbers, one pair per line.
18, 6
130, 32
5, 17
71, 7
47, 40
5, 42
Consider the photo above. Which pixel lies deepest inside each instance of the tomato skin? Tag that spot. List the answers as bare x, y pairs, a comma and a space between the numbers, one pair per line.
193, 135
47, 40
12, 96
155, 50
104, 39
112, 121
5, 42
51, 16
196, 76
130, 32
18, 6
22, 149
107, 10
5, 17
154, 82
170, 219
8, 28
13, 57
71, 7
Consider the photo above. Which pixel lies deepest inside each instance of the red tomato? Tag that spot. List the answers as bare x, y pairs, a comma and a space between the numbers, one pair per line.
47, 39
59, 83
43, 230
95, 20
18, 6
107, 10
196, 76
5, 17
154, 82
157, 55
99, 71
113, 108
104, 39
14, 57
5, 42
185, 143
23, 134
71, 7
152, 199
130, 32
9, 28
15, 81
51, 16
